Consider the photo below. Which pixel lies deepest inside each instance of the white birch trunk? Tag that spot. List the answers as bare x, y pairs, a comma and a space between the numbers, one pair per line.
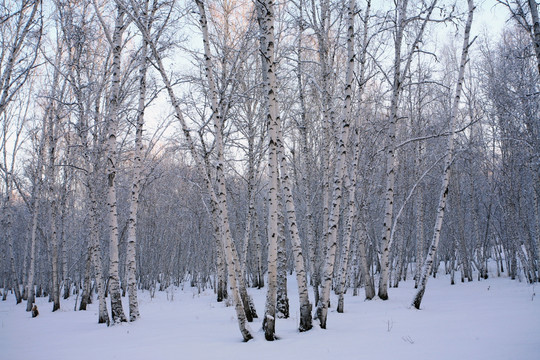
533, 6
86, 297
536, 223
369, 285
249, 219
220, 265
258, 255
305, 305
296, 243
350, 185
63, 206
328, 124
226, 237
111, 158
399, 77
217, 118
299, 262
419, 216
282, 302
95, 252
265, 11
36, 199
131, 265
428, 262
51, 194
306, 180
7, 220
390, 155
332, 231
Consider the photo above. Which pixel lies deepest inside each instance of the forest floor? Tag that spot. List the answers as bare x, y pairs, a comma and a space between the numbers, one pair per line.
492, 319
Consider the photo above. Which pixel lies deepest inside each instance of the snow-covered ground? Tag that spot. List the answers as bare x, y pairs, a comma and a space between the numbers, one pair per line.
492, 319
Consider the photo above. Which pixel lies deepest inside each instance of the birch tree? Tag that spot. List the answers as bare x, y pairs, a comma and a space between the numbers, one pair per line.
225, 230
401, 67
429, 260
137, 168
306, 158
218, 117
50, 173
21, 32
321, 21
265, 12
11, 142
111, 126
350, 175
533, 7
37, 190
332, 231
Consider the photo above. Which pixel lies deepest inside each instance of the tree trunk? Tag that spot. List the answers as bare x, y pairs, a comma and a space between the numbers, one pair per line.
111, 155
131, 265
536, 30
419, 216
350, 185
36, 199
322, 33
332, 231
225, 231
7, 222
305, 307
390, 154
265, 12
400, 73
428, 263
103, 315
87, 286
51, 194
282, 303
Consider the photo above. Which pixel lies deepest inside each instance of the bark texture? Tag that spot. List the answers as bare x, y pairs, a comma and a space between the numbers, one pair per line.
429, 261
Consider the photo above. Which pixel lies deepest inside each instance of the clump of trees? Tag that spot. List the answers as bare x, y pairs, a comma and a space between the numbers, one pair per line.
224, 144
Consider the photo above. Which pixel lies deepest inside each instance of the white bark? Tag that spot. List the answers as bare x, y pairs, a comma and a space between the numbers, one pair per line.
7, 223
51, 200
7, 167
350, 179
533, 6
86, 297
428, 262
296, 243
95, 253
226, 236
299, 262
36, 198
265, 11
282, 302
536, 223
111, 122
400, 73
332, 231
419, 215
305, 305
131, 265
350, 185
369, 285
322, 32
217, 117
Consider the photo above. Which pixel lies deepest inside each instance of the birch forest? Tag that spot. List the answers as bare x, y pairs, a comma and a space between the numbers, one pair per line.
231, 144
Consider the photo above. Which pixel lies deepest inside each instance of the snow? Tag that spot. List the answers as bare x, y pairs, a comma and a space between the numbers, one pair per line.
493, 319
